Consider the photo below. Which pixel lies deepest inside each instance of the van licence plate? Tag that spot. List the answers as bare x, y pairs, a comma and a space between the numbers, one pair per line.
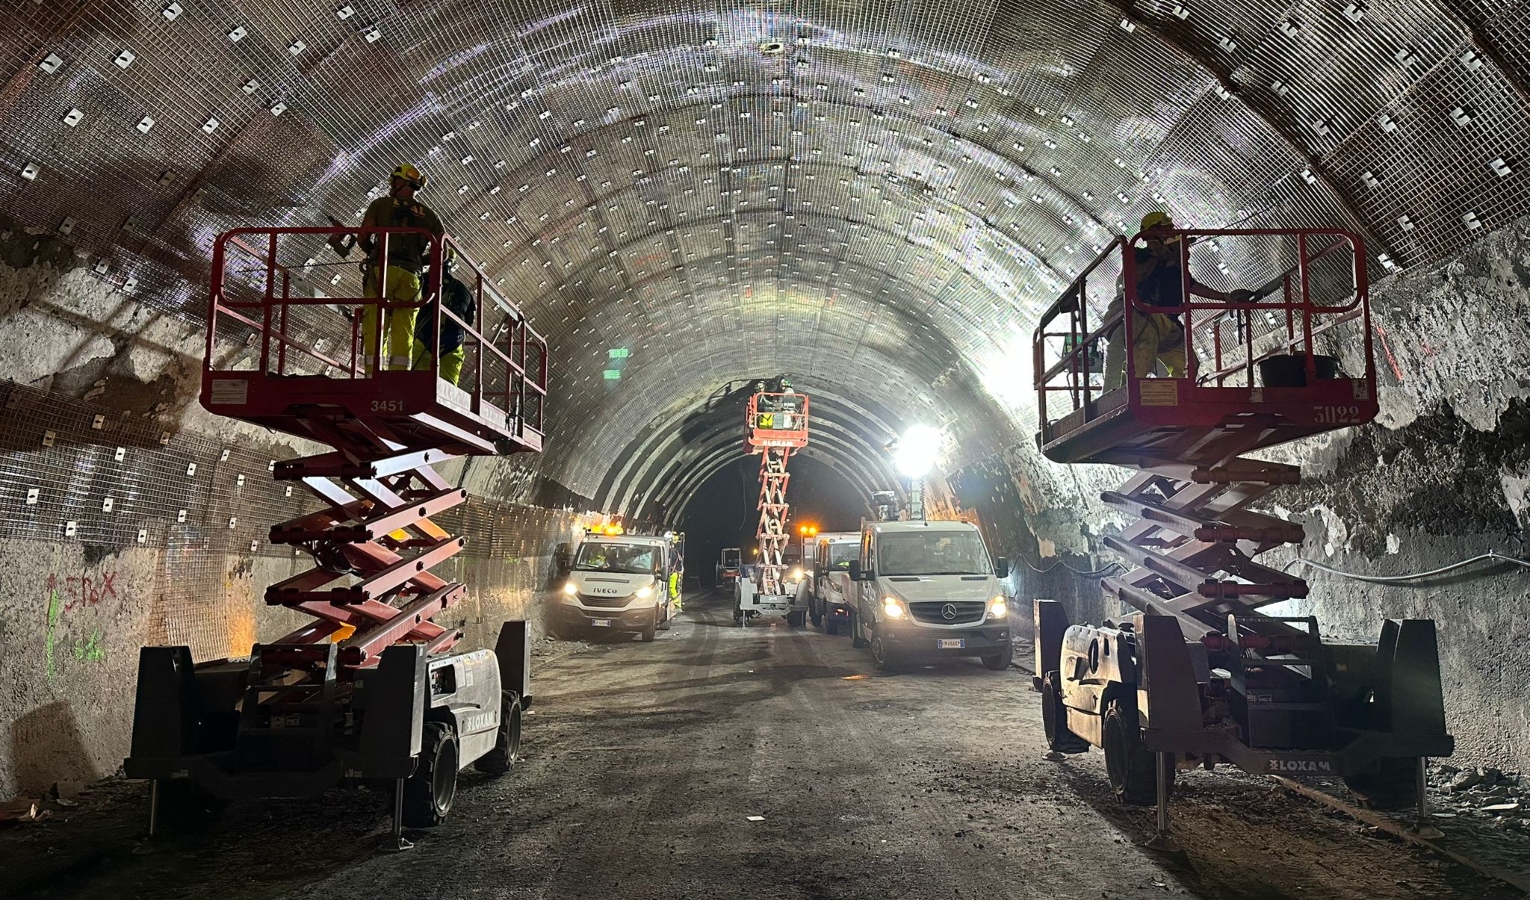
951, 644
600, 623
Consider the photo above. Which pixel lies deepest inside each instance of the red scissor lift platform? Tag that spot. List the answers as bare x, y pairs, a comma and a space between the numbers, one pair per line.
1198, 675
775, 426
353, 693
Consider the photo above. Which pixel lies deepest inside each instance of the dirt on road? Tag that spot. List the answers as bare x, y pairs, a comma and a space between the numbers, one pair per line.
769, 762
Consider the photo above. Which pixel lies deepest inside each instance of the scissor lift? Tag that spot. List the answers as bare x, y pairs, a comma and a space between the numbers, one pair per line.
1199, 674
775, 427
369, 690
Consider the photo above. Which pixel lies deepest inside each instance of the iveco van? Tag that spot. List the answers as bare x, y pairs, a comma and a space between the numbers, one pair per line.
927, 590
618, 583
828, 586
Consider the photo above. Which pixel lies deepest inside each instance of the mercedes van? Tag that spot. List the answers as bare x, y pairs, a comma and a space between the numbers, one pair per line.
618, 583
927, 590
828, 586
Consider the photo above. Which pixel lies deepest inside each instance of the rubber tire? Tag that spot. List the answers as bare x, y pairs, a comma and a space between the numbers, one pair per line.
429, 792
830, 625
648, 630
507, 748
1129, 765
1393, 786
1054, 718
1000, 661
795, 618
814, 615
882, 656
855, 632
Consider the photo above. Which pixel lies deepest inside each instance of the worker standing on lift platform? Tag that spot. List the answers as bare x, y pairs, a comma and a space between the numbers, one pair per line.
458, 299
407, 256
1160, 337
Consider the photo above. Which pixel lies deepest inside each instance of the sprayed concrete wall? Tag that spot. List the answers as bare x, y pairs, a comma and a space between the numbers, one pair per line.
130, 516
1442, 475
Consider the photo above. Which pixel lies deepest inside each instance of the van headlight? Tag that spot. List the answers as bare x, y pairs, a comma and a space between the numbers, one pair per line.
892, 608
796, 575
644, 592
570, 588
997, 608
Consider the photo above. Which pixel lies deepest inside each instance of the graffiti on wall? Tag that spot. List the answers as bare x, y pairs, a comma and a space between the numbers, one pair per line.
66, 594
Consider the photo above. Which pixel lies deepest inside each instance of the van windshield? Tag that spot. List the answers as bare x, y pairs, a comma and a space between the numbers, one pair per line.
630, 559
932, 553
841, 553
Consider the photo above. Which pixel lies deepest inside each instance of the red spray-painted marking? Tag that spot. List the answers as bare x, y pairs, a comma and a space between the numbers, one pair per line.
82, 590
1391, 360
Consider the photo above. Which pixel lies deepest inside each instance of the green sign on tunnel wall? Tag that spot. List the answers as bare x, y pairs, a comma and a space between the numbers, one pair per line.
612, 374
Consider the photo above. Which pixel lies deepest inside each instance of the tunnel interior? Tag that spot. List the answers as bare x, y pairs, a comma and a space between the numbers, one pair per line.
877, 198
723, 512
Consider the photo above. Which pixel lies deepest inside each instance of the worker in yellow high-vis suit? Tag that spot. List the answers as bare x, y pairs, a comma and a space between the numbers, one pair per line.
399, 280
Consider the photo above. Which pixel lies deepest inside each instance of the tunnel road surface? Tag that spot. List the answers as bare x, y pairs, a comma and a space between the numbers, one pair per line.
768, 762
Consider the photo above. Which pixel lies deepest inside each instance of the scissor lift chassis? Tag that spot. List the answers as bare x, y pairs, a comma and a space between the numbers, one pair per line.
750, 602
188, 717
1385, 699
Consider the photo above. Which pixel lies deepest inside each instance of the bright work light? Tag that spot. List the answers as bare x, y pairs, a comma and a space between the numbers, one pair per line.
916, 450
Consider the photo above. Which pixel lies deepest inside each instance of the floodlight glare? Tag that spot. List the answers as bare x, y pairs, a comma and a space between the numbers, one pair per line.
916, 450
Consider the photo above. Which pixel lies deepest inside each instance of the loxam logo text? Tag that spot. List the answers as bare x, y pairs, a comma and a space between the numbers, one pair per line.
480, 722
1301, 765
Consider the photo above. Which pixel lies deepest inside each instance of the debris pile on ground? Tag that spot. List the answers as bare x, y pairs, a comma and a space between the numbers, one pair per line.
1500, 799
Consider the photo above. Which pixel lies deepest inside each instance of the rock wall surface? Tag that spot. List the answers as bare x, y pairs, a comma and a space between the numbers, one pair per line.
130, 516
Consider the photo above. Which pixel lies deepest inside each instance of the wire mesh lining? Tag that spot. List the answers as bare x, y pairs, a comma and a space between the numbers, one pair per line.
878, 125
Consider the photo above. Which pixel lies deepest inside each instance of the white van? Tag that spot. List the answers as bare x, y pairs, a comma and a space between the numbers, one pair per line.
927, 590
618, 583
829, 591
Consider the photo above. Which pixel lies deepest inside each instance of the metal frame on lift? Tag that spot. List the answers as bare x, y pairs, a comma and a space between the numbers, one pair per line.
775, 426
1208, 677
345, 696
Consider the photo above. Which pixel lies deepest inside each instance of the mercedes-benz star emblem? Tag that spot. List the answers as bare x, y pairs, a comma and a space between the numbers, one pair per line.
948, 611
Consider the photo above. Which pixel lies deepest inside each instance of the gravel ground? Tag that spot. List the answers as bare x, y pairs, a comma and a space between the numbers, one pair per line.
643, 764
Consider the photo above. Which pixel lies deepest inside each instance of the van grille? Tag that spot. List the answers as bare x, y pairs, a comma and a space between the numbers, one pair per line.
605, 602
932, 612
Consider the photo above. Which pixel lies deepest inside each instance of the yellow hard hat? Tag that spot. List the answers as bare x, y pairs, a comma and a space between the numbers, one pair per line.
411, 174
1155, 218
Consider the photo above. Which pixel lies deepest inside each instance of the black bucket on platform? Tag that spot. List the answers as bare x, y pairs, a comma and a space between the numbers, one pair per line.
1291, 371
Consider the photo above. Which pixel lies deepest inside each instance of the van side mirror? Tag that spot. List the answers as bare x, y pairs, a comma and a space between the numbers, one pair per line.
855, 570
1002, 567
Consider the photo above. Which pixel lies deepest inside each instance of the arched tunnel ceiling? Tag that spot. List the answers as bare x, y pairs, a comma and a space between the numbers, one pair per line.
876, 196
